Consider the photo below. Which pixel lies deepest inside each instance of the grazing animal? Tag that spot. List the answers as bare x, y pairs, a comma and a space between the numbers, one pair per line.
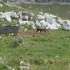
9, 29
40, 28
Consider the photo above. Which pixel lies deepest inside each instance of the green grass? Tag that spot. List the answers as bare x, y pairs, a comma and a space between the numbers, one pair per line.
43, 51
62, 11
56, 9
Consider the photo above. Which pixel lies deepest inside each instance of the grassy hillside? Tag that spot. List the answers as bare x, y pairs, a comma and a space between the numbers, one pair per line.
42, 51
8, 8
62, 11
56, 9
45, 51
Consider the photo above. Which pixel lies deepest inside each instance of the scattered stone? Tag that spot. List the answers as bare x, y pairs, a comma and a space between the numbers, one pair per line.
1, 5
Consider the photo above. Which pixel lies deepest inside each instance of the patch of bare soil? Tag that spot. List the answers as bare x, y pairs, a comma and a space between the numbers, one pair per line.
33, 33
27, 33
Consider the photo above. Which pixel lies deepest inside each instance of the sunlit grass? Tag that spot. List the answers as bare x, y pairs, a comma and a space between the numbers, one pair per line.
50, 51
43, 51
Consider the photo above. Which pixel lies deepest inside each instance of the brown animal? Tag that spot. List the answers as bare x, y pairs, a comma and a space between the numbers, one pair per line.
40, 28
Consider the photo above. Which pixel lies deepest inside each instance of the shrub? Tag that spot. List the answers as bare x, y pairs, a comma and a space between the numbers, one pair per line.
37, 61
17, 42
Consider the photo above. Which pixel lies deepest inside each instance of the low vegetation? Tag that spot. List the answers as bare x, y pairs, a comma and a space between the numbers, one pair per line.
43, 51
61, 10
